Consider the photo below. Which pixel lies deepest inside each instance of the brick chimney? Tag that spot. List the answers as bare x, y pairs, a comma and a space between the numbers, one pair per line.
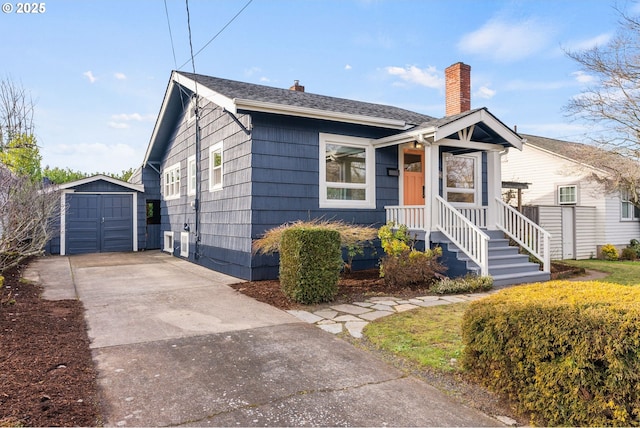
457, 88
297, 87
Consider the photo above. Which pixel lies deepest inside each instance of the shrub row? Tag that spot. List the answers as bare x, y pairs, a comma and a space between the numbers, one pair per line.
567, 352
466, 284
310, 264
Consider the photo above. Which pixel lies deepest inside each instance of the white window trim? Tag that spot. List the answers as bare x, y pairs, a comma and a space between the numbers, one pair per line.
168, 242
476, 191
564, 186
624, 199
184, 244
218, 186
191, 187
175, 168
370, 178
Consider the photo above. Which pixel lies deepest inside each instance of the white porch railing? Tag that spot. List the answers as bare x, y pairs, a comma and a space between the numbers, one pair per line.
413, 216
525, 232
477, 216
464, 234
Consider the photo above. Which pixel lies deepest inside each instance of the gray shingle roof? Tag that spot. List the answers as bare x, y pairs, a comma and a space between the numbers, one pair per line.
249, 91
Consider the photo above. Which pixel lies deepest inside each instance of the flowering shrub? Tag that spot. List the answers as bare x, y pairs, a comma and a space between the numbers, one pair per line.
402, 264
609, 252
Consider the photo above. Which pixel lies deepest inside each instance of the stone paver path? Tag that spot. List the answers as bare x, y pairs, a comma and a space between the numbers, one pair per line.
352, 318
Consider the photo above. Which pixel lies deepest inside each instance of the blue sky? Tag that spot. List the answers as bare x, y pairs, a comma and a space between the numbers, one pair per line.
97, 70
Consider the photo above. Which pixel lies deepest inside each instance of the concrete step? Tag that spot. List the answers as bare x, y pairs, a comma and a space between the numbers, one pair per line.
520, 278
513, 268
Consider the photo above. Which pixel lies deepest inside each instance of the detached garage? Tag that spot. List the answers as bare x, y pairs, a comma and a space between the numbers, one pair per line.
101, 214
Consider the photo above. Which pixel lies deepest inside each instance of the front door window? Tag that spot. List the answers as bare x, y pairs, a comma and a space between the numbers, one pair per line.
462, 178
413, 177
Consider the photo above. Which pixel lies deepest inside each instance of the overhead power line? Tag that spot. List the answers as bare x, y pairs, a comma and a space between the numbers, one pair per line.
215, 36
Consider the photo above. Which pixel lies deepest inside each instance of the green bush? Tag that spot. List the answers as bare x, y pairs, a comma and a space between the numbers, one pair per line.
629, 254
310, 264
634, 245
404, 266
609, 252
567, 352
467, 284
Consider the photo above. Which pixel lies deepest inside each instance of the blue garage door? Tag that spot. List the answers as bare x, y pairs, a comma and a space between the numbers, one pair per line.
99, 223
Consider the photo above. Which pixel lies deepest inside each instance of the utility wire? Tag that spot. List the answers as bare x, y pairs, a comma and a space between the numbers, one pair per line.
216, 35
173, 50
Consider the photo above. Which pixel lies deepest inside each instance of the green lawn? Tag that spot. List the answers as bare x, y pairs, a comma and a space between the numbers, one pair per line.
431, 337
621, 272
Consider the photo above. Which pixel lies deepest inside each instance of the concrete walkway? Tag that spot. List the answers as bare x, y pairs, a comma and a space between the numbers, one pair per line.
174, 345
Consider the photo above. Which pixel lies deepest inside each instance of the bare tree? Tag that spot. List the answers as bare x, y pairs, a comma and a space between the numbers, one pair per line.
16, 112
612, 104
27, 217
27, 210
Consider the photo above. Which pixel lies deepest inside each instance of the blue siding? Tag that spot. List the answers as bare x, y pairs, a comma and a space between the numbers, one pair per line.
285, 179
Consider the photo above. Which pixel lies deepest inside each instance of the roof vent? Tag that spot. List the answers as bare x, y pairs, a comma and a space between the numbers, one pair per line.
297, 87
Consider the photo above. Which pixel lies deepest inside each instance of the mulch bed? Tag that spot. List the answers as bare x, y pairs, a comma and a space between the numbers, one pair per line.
47, 376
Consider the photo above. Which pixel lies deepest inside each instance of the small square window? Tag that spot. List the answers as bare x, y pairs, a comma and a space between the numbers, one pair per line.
568, 195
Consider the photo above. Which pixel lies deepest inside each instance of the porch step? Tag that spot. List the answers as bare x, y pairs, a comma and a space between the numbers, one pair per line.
519, 278
506, 265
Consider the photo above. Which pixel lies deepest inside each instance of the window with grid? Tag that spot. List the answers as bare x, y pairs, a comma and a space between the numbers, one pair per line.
172, 181
627, 209
568, 195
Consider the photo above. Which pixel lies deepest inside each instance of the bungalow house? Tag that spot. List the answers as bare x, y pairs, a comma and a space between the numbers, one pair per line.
563, 197
229, 160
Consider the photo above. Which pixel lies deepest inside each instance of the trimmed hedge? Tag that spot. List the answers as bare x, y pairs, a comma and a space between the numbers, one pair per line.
310, 264
466, 284
567, 352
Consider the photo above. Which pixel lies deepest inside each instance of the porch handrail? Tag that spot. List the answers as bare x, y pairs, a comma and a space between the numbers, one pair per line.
464, 234
413, 216
525, 232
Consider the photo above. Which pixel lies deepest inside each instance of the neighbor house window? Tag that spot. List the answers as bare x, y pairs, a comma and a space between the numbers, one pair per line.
567, 195
462, 180
191, 175
172, 181
347, 172
628, 210
216, 162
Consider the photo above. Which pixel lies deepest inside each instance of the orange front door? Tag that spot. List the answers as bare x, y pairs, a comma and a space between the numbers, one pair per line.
413, 177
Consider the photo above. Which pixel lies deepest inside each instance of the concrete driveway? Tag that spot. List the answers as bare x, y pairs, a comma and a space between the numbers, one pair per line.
174, 345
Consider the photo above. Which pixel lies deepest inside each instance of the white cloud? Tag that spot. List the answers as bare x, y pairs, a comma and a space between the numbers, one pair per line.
89, 75
93, 157
118, 125
428, 77
485, 92
507, 40
133, 116
348, 67
120, 76
586, 44
582, 77
265, 79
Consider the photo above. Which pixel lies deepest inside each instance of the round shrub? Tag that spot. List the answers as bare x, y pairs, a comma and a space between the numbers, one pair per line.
310, 264
609, 252
567, 352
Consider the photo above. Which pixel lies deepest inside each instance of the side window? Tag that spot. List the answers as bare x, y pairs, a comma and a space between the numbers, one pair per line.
567, 195
171, 181
191, 175
628, 211
216, 162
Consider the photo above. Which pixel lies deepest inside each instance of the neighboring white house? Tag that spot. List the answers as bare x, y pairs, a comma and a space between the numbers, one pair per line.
564, 201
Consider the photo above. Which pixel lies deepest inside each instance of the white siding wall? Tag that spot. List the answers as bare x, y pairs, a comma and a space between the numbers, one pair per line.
550, 219
546, 171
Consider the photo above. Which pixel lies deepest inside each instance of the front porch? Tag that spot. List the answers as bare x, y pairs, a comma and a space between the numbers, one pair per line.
473, 244
449, 192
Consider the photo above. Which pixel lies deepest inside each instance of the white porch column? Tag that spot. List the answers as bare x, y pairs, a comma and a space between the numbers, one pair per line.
431, 185
494, 187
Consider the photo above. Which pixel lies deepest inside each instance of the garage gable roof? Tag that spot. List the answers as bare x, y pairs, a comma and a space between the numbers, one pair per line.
101, 177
